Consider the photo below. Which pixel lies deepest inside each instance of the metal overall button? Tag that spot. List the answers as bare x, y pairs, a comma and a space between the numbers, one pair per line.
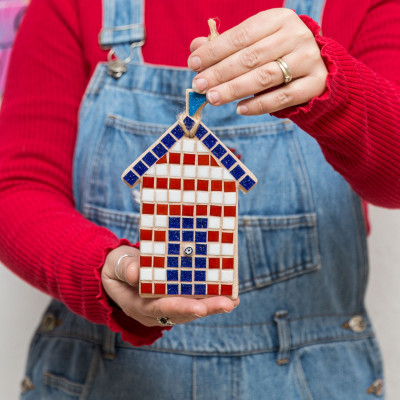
26, 385
356, 324
376, 388
49, 323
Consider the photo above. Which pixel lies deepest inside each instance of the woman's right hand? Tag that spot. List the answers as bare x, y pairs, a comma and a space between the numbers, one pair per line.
125, 293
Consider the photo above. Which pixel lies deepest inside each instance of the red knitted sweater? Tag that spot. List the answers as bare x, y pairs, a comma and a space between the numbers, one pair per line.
50, 245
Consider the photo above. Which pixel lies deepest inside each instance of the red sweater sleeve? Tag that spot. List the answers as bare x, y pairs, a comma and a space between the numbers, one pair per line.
357, 120
44, 240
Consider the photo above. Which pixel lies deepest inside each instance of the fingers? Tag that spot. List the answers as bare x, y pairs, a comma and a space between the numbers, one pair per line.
197, 42
295, 93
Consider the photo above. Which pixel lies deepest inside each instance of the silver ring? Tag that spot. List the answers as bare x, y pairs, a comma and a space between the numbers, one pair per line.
287, 74
117, 265
165, 321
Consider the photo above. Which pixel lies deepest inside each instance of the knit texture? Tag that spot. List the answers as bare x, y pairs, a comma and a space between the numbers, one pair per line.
50, 245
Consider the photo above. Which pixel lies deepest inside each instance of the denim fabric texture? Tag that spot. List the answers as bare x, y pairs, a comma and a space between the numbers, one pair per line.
302, 256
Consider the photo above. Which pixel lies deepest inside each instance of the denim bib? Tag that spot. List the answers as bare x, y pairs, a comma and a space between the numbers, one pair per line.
301, 326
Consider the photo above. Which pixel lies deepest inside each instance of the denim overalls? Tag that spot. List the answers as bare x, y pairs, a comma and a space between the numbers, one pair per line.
301, 330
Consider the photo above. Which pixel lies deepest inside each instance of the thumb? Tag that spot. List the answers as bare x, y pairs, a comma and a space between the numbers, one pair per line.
122, 264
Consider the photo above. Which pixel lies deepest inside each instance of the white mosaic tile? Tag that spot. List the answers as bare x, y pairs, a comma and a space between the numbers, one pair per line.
150, 171
227, 275
147, 195
213, 275
188, 146
175, 196
214, 249
146, 247
175, 170
160, 274
228, 176
203, 172
216, 172
177, 146
146, 274
160, 221
161, 195
230, 198
189, 171
202, 197
216, 198
146, 220
227, 249
161, 169
189, 196
159, 248
201, 148
214, 222
228, 223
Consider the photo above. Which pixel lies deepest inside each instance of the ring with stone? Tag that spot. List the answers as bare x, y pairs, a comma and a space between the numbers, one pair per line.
165, 321
287, 74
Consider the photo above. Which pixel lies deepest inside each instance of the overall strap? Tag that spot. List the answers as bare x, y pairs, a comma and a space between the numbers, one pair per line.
123, 26
312, 8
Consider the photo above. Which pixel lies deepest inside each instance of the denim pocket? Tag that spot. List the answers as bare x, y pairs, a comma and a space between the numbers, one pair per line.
277, 221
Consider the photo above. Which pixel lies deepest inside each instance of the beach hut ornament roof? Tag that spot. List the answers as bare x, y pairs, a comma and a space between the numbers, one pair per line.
189, 210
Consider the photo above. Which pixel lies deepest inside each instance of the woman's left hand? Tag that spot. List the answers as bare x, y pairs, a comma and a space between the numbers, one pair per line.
241, 62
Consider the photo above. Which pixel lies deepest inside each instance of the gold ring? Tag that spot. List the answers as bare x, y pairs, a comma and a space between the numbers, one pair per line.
287, 74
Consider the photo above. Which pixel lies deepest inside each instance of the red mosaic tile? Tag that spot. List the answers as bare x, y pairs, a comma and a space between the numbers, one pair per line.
203, 159
174, 158
201, 210
213, 236
202, 184
230, 211
174, 183
159, 236
230, 186
159, 262
159, 288
162, 209
147, 208
187, 211
216, 211
148, 182
146, 234
189, 159
226, 290
213, 290
227, 263
216, 186
162, 183
146, 288
188, 184
213, 163
145, 261
227, 237
213, 263
162, 160
174, 209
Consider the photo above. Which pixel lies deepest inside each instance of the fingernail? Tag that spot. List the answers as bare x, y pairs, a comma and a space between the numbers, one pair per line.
198, 316
242, 110
213, 97
199, 85
227, 311
194, 62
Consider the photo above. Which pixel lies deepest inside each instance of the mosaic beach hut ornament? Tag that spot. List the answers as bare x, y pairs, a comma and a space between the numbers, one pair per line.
189, 210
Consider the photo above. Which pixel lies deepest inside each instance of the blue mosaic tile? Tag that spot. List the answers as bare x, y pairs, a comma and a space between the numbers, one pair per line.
186, 289
174, 236
237, 172
186, 262
168, 140
172, 289
174, 222
160, 150
188, 123
201, 237
195, 102
130, 178
178, 131
210, 141
247, 182
172, 262
219, 151
201, 223
201, 249
187, 236
199, 289
201, 131
173, 248
200, 276
149, 159
172, 275
200, 262
187, 223
186, 276
140, 168
228, 161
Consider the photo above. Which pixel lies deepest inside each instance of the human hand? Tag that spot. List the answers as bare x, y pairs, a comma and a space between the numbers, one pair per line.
125, 293
241, 63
